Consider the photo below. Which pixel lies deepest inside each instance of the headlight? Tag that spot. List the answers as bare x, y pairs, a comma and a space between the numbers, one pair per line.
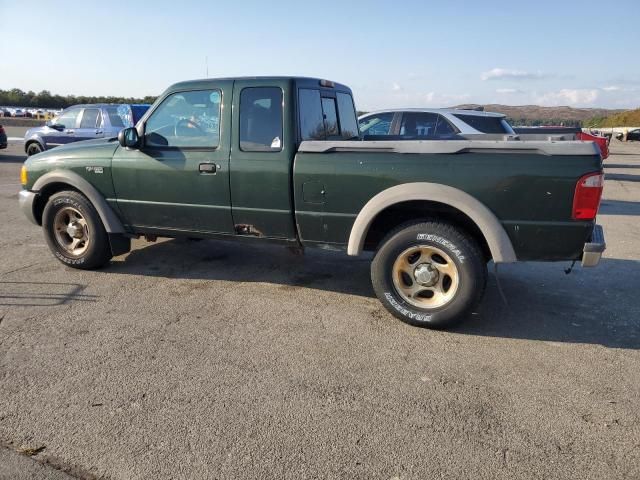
23, 175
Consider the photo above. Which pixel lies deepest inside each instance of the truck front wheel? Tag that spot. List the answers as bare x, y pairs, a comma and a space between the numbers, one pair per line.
429, 274
74, 232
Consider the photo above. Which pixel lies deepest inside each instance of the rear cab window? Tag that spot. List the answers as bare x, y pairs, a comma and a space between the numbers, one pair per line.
486, 124
326, 115
261, 119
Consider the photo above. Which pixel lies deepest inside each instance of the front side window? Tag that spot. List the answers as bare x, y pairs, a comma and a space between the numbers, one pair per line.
90, 118
186, 119
379, 124
261, 119
68, 118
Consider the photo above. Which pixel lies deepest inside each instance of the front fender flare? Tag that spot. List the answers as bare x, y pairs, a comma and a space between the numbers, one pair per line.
34, 138
110, 220
494, 233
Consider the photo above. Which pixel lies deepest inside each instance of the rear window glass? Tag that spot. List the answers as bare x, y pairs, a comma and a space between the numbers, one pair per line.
326, 117
419, 124
486, 124
347, 113
137, 112
120, 116
330, 117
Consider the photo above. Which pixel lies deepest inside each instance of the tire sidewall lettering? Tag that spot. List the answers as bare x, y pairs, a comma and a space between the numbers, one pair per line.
420, 317
430, 237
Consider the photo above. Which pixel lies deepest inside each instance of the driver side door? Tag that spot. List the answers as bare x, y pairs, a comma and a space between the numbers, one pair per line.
179, 178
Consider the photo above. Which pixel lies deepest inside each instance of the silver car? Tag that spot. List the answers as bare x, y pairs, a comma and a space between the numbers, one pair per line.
433, 124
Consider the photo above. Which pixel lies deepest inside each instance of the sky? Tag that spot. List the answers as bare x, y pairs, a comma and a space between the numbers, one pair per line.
391, 53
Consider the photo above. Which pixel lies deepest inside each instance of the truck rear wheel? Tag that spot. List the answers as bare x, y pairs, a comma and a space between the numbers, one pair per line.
429, 274
74, 231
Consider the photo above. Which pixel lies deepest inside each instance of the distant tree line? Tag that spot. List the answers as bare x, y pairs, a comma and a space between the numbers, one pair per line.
44, 99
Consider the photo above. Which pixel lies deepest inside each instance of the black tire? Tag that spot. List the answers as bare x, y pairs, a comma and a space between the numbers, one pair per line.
98, 250
33, 148
462, 250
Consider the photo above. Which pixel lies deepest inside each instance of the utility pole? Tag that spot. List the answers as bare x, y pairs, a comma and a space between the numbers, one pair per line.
206, 64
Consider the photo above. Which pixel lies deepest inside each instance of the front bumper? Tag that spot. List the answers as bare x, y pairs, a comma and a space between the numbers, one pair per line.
26, 199
593, 249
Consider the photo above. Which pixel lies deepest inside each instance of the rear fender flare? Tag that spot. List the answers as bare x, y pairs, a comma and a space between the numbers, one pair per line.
494, 233
110, 220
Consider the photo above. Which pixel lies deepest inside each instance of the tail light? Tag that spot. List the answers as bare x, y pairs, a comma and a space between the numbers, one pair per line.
586, 200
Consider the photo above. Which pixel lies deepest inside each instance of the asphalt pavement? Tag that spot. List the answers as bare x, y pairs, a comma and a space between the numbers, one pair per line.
220, 360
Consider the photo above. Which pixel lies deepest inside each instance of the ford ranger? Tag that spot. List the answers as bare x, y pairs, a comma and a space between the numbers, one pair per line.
280, 159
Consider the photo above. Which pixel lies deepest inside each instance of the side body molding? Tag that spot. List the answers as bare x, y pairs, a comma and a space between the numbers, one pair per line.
110, 220
495, 235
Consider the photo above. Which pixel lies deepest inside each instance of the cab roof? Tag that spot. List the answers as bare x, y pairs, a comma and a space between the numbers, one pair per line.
300, 81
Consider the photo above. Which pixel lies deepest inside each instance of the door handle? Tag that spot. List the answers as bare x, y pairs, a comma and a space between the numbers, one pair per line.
98, 132
70, 132
210, 168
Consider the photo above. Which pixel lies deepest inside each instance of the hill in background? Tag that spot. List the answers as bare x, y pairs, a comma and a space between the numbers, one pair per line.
629, 118
534, 115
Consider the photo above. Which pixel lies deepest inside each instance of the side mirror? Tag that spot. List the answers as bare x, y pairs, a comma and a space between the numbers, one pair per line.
129, 138
57, 126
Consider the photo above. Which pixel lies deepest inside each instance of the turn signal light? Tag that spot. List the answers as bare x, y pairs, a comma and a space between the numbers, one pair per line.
586, 199
23, 175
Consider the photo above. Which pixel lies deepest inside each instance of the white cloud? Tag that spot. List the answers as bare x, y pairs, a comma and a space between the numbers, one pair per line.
396, 87
509, 91
510, 74
569, 96
612, 88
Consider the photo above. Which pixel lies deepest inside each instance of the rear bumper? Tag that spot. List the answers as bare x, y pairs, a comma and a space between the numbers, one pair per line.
593, 249
26, 199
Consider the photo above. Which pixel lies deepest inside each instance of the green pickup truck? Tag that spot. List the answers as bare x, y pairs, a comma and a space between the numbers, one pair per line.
280, 159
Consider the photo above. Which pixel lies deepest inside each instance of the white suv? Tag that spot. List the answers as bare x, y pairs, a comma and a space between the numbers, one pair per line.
433, 124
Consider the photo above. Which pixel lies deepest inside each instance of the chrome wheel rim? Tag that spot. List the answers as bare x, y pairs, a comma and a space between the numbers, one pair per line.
71, 231
425, 276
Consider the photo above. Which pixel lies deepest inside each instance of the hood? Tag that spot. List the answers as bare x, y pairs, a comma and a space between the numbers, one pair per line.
99, 148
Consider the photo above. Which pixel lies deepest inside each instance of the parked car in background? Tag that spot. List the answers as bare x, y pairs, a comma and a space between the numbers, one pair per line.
458, 124
82, 122
433, 124
3, 138
18, 112
564, 133
633, 135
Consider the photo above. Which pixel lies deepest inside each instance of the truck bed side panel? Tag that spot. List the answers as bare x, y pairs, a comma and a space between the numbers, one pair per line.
531, 194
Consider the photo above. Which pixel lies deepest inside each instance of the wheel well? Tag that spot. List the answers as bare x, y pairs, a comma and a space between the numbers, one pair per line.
45, 194
29, 142
395, 215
